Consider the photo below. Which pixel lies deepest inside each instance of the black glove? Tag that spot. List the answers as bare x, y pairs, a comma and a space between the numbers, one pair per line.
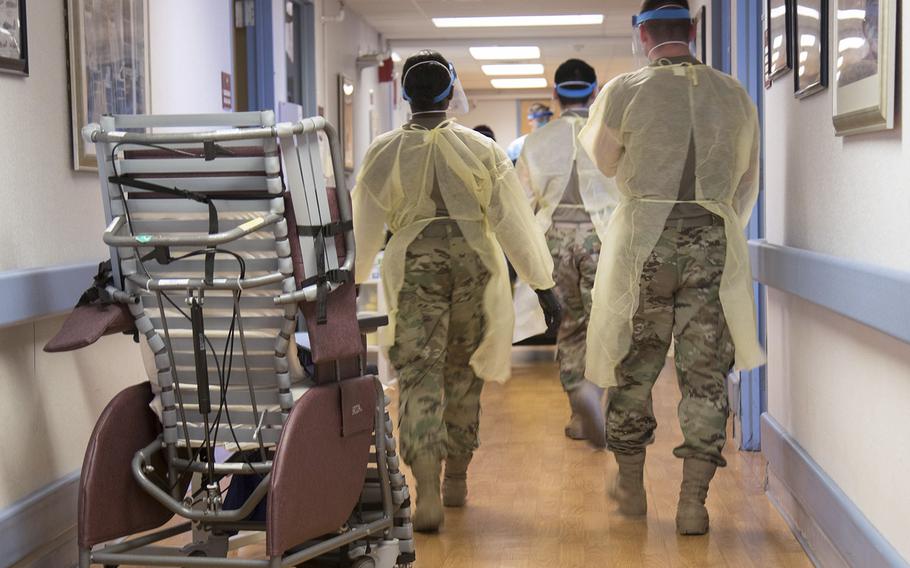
551, 309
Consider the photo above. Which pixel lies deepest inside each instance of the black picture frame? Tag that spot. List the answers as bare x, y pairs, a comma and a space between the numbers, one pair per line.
804, 12
701, 35
19, 65
780, 57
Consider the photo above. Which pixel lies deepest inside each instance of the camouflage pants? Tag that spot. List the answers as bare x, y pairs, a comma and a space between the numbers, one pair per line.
575, 250
680, 295
439, 326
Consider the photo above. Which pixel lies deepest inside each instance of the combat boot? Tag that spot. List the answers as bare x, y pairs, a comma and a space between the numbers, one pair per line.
455, 481
691, 514
575, 429
629, 487
586, 403
429, 514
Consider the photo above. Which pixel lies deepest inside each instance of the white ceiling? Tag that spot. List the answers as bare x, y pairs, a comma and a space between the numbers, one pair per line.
408, 27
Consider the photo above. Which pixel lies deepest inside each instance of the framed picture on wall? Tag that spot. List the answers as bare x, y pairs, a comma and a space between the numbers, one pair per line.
779, 37
810, 46
108, 65
865, 33
13, 37
346, 120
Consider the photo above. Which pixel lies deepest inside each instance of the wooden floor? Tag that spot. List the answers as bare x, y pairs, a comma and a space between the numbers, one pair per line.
538, 499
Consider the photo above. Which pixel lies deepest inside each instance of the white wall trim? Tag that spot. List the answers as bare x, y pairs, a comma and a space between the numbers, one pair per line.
30, 525
828, 524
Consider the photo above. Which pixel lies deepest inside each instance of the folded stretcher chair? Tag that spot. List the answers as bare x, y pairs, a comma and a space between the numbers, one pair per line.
221, 229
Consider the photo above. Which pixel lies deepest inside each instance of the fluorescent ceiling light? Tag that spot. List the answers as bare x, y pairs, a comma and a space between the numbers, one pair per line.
519, 21
505, 53
523, 83
851, 14
513, 69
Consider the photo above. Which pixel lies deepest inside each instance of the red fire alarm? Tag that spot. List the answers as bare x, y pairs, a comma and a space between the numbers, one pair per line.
387, 71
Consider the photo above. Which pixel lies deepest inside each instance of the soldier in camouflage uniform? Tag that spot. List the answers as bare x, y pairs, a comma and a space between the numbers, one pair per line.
683, 141
572, 203
454, 206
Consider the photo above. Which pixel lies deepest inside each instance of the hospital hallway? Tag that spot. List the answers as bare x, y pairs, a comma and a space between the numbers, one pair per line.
227, 225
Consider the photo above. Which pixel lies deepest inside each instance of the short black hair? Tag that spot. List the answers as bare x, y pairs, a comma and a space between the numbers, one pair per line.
485, 130
667, 30
574, 70
427, 81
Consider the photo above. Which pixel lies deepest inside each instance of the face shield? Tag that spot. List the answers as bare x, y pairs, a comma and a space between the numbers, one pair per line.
540, 117
459, 103
669, 12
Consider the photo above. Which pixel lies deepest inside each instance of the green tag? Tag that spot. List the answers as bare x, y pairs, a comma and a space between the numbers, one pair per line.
143, 238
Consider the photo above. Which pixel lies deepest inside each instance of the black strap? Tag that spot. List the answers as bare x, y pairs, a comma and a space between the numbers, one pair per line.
322, 279
329, 230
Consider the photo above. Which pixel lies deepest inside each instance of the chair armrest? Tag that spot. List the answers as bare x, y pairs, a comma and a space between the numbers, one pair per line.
371, 321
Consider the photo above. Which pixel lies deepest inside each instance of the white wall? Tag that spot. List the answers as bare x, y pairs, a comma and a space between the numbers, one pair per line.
499, 114
840, 388
52, 215
47, 208
191, 44
337, 48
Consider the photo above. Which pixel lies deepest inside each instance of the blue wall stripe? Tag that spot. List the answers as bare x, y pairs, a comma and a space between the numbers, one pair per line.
30, 294
870, 294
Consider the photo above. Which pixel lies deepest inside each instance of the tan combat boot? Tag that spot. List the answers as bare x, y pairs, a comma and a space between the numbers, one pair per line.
586, 403
574, 429
691, 514
455, 481
629, 487
429, 514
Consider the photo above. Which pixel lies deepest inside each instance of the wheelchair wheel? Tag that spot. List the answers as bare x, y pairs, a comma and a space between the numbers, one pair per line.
363, 562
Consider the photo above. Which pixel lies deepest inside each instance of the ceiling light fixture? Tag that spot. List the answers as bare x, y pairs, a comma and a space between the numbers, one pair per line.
513, 69
519, 21
523, 83
505, 53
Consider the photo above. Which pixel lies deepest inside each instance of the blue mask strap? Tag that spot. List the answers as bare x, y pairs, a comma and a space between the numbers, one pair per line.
661, 14
586, 89
441, 96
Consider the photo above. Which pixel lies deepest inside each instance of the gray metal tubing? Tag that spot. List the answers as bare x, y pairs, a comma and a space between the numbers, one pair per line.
135, 543
93, 133
229, 468
147, 560
357, 533
341, 192
381, 461
197, 283
309, 293
143, 457
111, 237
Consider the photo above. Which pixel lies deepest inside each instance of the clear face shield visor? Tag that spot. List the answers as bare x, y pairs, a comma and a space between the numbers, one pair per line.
459, 103
669, 12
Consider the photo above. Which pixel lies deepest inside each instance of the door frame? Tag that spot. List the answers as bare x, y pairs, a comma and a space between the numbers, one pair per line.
750, 72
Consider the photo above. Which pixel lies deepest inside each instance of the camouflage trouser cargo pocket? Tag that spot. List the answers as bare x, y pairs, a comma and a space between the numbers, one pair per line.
680, 296
439, 326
